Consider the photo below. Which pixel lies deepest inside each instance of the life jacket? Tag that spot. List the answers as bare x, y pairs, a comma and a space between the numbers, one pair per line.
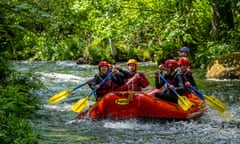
108, 86
171, 80
187, 76
136, 84
159, 82
104, 88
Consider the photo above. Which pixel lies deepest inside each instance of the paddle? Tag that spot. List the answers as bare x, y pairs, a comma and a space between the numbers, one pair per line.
183, 101
82, 103
63, 94
197, 93
211, 101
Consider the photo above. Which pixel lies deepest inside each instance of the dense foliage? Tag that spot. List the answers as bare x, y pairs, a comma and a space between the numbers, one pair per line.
17, 104
117, 29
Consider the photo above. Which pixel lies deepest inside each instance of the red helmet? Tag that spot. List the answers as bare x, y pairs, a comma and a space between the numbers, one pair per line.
183, 61
103, 63
110, 66
171, 64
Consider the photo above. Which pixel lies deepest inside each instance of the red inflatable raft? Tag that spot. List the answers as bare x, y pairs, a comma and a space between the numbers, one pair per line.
130, 104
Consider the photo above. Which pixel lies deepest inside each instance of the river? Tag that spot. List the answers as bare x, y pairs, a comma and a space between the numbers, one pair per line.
56, 124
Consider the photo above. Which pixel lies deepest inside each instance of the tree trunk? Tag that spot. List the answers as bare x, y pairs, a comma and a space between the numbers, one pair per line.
111, 44
222, 18
113, 49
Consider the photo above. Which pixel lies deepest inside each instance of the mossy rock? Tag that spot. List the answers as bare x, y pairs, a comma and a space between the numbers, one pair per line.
225, 67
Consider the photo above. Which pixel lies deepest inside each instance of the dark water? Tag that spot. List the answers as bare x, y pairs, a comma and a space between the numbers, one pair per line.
55, 124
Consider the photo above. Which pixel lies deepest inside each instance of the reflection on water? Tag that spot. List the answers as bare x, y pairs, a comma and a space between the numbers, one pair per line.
56, 123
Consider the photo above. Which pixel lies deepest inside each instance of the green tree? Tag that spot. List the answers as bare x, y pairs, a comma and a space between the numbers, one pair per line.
222, 21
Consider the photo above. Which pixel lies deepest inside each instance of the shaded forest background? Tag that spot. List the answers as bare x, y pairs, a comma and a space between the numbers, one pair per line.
116, 30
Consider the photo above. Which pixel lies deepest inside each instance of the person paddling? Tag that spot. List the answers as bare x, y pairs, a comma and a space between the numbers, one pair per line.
132, 79
184, 63
174, 79
109, 85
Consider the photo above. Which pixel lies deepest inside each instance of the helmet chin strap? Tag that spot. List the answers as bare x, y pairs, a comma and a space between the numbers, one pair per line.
103, 73
172, 72
133, 72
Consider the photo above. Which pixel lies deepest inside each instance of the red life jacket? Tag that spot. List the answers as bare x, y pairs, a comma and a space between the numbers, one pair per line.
106, 87
135, 84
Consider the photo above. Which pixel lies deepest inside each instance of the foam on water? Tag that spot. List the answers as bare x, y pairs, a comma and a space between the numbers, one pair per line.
62, 107
58, 77
128, 124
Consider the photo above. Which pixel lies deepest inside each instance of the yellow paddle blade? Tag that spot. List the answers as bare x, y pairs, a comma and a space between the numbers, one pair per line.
59, 96
184, 103
80, 105
215, 103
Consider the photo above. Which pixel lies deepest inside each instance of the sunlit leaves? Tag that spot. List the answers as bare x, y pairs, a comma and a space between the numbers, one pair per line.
129, 25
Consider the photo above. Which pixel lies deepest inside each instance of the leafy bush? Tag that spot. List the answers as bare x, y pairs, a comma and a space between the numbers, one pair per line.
211, 50
15, 130
15, 99
93, 55
17, 104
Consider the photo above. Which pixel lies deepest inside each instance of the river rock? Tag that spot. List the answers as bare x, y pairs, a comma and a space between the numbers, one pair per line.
225, 67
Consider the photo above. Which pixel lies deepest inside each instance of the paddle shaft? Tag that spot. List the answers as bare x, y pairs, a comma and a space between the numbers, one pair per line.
213, 102
63, 94
101, 83
199, 94
161, 76
183, 101
77, 87
82, 103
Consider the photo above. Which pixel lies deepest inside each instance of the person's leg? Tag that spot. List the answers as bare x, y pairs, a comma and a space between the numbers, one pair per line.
167, 96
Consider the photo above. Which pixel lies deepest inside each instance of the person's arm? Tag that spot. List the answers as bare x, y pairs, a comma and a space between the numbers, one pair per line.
118, 78
158, 81
143, 80
180, 84
95, 81
125, 73
190, 79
